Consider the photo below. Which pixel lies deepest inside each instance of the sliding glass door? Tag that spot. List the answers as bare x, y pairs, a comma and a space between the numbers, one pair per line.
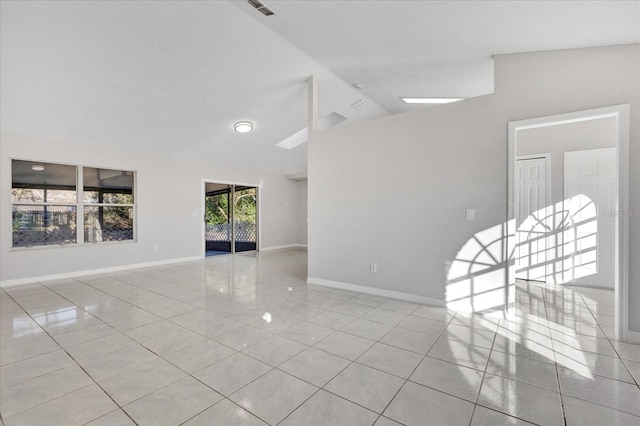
231, 218
245, 228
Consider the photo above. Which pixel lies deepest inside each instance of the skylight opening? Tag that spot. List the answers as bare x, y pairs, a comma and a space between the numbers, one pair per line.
301, 136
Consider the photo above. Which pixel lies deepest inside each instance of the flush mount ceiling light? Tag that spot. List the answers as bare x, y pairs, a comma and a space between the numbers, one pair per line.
243, 126
430, 100
37, 167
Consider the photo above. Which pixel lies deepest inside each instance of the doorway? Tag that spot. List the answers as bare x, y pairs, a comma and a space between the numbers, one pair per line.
569, 219
230, 218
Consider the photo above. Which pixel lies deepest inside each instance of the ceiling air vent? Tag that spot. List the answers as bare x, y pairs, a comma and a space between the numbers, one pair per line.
261, 7
358, 104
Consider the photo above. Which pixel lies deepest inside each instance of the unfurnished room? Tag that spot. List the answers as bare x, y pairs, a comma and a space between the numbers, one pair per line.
319, 213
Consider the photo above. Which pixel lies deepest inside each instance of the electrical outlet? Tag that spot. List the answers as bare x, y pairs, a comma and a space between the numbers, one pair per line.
470, 214
156, 248
374, 267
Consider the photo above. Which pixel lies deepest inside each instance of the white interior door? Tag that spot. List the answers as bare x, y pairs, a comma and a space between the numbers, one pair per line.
590, 185
531, 196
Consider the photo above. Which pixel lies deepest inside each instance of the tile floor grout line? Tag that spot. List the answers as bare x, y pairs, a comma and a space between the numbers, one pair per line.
31, 357
80, 366
319, 388
297, 302
520, 419
190, 374
435, 341
360, 405
546, 313
374, 343
220, 360
374, 368
133, 285
603, 406
115, 297
48, 401
108, 414
484, 374
146, 348
637, 382
224, 398
34, 377
351, 362
417, 365
300, 405
516, 379
205, 384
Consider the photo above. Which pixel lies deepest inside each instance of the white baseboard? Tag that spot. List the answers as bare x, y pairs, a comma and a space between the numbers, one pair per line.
376, 291
286, 246
18, 281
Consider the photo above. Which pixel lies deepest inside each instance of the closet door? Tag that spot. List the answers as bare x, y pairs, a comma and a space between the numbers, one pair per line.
531, 195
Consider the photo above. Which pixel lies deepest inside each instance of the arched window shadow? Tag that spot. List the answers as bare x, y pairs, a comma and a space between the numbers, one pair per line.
555, 244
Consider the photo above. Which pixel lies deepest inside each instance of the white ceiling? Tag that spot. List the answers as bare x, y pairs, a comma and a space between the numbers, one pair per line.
173, 77
440, 48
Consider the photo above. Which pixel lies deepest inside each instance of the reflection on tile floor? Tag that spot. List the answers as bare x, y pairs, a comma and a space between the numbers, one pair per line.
244, 340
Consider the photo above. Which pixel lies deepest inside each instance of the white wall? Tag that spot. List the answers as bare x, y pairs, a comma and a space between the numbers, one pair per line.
556, 140
411, 176
302, 212
169, 208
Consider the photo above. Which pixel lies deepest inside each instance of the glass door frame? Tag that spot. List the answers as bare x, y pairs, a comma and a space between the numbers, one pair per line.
232, 199
235, 190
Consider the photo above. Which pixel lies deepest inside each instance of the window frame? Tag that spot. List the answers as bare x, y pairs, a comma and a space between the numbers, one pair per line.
80, 205
134, 193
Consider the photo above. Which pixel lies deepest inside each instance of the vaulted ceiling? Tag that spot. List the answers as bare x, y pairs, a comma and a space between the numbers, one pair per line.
174, 76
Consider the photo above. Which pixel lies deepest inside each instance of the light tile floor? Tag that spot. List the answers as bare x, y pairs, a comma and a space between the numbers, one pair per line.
244, 340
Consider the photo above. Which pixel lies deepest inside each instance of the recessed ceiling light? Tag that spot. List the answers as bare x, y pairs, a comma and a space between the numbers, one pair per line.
37, 167
430, 100
357, 86
243, 126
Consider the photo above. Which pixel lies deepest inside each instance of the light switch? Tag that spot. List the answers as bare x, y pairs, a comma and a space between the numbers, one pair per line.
471, 214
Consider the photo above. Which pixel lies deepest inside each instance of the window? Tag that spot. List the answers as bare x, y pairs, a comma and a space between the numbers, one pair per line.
108, 205
44, 201
51, 207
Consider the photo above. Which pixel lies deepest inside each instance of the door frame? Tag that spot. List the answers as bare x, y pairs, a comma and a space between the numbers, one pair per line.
621, 255
203, 189
548, 269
